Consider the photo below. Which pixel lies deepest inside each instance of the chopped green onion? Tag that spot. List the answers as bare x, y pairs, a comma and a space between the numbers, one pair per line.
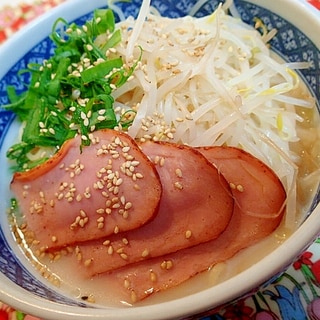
70, 93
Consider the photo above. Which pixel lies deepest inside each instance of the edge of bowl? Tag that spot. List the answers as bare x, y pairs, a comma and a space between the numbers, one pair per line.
12, 294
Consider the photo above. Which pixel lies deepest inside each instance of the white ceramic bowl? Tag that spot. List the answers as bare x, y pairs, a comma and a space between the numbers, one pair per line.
23, 290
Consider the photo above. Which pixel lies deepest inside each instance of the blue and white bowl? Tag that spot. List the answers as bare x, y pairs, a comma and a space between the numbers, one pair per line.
297, 39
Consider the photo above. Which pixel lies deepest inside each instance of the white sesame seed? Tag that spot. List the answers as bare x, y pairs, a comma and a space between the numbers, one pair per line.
178, 173
101, 118
126, 149
125, 214
145, 253
88, 262
106, 242
86, 122
232, 185
124, 256
89, 47
119, 182
162, 160
133, 296
126, 283
116, 230
128, 205
178, 185
240, 188
139, 175
153, 276
110, 250
188, 234
166, 264
82, 213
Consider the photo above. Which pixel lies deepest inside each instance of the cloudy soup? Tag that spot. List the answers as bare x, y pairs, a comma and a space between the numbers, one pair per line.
195, 82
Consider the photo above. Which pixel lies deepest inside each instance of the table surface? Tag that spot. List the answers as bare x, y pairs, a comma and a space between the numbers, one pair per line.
295, 295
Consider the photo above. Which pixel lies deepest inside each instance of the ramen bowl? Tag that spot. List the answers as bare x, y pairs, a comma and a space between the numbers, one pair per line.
22, 287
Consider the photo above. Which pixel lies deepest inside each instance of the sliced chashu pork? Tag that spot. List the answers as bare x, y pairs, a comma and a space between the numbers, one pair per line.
195, 207
256, 215
253, 183
89, 192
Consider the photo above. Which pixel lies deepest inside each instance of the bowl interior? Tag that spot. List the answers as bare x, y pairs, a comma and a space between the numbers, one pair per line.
290, 43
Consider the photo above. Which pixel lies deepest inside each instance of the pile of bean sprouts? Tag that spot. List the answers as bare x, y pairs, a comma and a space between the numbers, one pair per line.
211, 81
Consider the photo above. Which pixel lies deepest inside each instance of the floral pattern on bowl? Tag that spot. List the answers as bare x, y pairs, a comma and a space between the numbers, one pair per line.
293, 295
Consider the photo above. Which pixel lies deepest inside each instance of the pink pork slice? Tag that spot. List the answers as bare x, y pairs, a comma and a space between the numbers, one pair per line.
252, 221
80, 195
253, 182
196, 206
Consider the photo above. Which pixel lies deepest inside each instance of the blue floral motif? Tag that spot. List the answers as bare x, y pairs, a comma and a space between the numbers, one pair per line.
5, 121
289, 303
